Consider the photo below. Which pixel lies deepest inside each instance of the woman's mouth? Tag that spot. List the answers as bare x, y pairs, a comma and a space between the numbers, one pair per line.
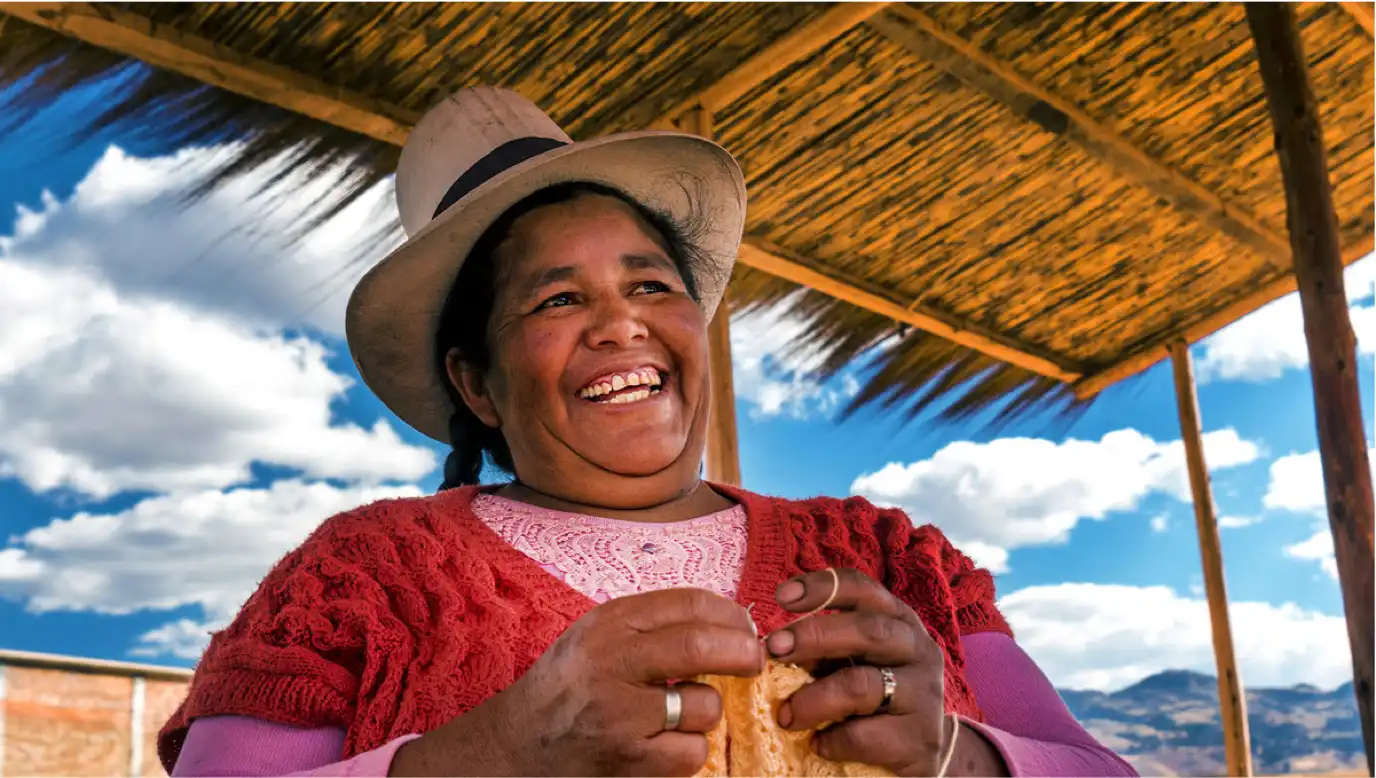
629, 386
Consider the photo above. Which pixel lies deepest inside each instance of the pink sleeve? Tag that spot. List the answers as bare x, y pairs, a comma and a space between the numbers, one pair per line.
1024, 717
244, 746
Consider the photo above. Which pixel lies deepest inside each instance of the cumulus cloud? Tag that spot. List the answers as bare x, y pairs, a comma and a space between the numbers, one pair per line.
117, 374
1296, 486
1099, 636
773, 380
1263, 345
207, 549
1014, 492
102, 394
228, 253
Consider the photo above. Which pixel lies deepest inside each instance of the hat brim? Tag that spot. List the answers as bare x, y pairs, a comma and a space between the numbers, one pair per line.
394, 311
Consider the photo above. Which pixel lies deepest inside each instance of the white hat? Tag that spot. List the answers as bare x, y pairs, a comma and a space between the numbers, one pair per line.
467, 161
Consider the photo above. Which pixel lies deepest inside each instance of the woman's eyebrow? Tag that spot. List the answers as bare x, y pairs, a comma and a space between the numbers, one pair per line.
550, 275
646, 262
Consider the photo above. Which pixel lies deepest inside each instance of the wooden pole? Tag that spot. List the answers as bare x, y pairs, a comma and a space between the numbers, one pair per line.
1232, 703
723, 454
1317, 256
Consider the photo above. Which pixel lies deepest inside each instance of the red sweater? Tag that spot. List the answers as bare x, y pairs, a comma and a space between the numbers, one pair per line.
398, 616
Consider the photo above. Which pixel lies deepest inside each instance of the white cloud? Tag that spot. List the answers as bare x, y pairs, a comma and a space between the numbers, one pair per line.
1296, 486
1096, 636
143, 364
1015, 492
207, 549
183, 639
1160, 522
101, 394
228, 253
1266, 343
771, 378
1318, 548
1237, 522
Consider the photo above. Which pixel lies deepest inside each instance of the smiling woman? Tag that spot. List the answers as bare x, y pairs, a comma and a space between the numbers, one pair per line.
606, 611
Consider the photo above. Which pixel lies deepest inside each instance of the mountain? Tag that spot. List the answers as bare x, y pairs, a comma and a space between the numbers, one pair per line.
1168, 724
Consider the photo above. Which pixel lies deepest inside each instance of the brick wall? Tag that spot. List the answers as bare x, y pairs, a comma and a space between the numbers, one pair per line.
65, 716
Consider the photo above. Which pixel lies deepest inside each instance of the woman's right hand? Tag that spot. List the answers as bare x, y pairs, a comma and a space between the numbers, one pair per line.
594, 703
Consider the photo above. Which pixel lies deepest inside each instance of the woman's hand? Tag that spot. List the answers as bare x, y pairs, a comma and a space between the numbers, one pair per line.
595, 702
872, 629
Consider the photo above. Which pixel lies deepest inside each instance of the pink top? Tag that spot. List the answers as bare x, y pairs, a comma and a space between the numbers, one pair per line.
1025, 718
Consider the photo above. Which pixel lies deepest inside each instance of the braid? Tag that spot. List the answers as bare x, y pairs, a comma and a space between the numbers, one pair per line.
465, 463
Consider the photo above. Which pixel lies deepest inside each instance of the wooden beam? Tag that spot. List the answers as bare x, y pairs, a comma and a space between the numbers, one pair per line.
797, 45
923, 36
1232, 701
1317, 250
161, 46
1200, 328
771, 259
1363, 14
723, 443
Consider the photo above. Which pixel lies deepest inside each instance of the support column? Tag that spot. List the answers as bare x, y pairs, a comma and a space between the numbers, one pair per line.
723, 455
1316, 250
1232, 703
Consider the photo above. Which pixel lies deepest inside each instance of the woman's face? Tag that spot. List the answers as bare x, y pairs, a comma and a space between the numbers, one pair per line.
599, 368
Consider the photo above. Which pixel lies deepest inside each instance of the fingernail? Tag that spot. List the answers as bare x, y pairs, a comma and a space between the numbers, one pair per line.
780, 643
786, 715
819, 747
790, 591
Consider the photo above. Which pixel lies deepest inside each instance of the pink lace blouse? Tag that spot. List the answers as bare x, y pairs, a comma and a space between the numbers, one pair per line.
605, 558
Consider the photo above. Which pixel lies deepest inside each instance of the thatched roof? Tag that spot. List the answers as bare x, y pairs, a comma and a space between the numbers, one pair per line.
1026, 202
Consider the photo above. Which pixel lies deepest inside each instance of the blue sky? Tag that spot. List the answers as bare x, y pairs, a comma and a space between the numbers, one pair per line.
177, 409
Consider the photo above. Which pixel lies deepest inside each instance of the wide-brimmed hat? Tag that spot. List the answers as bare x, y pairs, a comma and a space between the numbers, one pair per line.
467, 161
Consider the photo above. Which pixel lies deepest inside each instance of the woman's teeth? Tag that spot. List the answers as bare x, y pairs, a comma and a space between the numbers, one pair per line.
630, 397
620, 382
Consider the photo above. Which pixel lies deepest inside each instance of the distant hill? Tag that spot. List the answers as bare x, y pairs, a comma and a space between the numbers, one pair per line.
1168, 724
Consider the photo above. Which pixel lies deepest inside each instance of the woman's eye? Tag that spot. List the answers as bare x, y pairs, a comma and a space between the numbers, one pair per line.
557, 301
653, 287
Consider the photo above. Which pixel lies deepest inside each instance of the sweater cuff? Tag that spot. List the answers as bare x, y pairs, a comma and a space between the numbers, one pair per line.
368, 764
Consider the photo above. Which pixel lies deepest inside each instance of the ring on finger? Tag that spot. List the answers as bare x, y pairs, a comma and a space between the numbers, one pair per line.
673, 709
886, 674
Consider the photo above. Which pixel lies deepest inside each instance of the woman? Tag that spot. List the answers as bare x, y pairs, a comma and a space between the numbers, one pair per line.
548, 315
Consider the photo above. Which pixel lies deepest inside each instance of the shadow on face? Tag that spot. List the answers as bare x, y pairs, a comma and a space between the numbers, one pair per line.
597, 362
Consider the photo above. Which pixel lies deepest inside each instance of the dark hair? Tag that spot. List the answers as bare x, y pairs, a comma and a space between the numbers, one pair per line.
468, 311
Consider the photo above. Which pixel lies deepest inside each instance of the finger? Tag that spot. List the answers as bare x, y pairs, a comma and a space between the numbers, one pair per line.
883, 741
702, 708
853, 691
688, 650
866, 636
853, 591
665, 754
650, 611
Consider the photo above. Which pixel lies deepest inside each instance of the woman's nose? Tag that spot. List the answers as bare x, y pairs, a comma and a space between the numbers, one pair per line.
616, 322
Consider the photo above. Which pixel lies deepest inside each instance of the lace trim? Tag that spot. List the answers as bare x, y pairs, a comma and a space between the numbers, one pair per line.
607, 558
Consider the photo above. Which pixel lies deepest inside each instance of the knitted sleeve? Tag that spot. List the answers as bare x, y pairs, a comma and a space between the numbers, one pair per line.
924, 567
318, 633
972, 589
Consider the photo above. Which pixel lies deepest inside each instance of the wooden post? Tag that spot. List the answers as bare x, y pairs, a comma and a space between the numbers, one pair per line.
1232, 703
1317, 256
723, 455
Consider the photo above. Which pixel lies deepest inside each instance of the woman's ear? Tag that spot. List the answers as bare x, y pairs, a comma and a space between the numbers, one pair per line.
472, 386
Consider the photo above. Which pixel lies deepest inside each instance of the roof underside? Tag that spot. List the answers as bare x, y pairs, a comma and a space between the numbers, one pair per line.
1058, 190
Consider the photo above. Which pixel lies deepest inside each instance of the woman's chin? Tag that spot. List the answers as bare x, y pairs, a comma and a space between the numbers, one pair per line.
635, 461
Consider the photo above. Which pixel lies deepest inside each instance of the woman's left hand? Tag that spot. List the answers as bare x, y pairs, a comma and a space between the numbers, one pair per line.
876, 630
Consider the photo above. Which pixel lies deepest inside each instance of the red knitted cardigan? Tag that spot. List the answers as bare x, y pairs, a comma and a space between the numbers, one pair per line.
398, 616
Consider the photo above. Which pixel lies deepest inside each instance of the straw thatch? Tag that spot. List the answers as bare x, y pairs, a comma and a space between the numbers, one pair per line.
1076, 184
